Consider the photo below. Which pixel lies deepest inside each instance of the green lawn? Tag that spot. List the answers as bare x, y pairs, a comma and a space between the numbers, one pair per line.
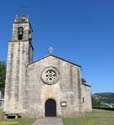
97, 117
15, 121
1, 114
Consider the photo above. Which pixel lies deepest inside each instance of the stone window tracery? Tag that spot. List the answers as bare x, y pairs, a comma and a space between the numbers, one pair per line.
50, 75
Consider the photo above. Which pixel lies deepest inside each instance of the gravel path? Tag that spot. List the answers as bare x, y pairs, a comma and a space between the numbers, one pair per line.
49, 121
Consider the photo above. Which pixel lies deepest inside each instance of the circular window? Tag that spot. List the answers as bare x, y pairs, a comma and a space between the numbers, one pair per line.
50, 75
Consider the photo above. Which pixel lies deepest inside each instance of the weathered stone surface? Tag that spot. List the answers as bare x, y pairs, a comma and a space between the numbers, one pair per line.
30, 84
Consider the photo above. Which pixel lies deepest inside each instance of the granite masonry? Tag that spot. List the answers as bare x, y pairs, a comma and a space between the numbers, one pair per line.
51, 86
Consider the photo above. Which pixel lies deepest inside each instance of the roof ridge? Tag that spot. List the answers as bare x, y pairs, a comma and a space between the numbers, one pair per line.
55, 57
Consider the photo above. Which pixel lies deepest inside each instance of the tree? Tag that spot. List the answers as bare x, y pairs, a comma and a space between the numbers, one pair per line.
95, 102
2, 76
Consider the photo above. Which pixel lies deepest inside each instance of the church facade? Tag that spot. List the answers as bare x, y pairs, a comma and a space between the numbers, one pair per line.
51, 86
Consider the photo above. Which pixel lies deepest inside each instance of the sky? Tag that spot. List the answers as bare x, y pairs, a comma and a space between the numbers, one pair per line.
81, 31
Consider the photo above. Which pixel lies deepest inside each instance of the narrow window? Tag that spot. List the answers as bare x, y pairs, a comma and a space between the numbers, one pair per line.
30, 35
20, 33
83, 99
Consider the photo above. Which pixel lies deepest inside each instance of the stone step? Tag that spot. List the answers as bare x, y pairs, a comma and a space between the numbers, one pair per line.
49, 121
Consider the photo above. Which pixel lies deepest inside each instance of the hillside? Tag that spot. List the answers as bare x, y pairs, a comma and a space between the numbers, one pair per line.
105, 97
104, 100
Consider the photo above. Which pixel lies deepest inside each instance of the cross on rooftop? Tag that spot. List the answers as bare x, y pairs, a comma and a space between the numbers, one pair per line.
50, 50
24, 7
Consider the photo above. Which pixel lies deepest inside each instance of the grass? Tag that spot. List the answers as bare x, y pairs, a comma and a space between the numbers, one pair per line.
97, 117
15, 121
1, 114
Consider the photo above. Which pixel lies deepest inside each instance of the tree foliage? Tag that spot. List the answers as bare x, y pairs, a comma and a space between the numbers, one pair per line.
95, 102
2, 74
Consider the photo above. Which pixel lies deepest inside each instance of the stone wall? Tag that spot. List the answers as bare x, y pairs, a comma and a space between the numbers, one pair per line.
86, 99
67, 89
18, 59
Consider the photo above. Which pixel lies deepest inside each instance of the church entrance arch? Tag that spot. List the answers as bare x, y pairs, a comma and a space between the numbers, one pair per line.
50, 108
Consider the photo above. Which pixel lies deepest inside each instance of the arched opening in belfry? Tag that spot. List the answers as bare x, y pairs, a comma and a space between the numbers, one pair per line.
50, 108
20, 33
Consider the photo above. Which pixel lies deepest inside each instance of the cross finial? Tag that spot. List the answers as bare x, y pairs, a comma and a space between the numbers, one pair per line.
50, 50
24, 10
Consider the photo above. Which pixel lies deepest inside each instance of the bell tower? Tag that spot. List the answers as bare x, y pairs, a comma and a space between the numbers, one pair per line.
20, 54
22, 30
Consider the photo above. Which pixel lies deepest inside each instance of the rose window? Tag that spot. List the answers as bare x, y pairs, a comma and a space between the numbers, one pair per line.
50, 75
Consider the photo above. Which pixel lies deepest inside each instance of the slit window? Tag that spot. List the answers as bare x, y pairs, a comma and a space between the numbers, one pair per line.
83, 99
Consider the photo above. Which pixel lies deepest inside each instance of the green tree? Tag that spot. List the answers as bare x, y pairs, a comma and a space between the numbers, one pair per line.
95, 102
2, 75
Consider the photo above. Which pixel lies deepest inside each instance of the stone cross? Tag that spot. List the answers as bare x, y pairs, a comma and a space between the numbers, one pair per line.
24, 7
50, 50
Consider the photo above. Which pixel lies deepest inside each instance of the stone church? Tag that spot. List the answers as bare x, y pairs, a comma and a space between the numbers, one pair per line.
51, 86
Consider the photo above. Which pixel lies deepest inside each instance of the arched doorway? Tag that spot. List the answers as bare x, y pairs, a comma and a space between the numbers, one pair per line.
50, 108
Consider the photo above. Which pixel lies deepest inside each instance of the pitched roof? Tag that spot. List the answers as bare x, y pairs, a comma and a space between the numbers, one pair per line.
57, 58
84, 82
